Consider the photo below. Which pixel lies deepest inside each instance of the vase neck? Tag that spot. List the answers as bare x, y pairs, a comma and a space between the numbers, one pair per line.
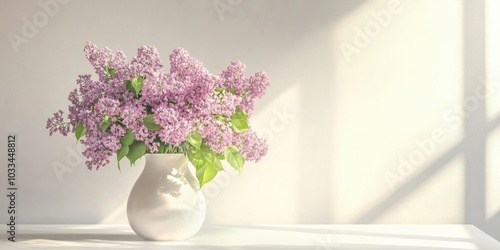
164, 166
160, 163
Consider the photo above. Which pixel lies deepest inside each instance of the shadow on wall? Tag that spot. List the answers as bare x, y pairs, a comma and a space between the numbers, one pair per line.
476, 131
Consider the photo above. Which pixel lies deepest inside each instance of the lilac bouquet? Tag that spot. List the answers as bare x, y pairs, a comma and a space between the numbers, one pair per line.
136, 108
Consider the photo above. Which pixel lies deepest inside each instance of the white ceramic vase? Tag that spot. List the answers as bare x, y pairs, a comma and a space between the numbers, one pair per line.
166, 202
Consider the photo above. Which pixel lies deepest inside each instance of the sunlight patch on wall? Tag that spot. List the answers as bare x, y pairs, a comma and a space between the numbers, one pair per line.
397, 101
493, 58
438, 200
493, 173
117, 216
278, 123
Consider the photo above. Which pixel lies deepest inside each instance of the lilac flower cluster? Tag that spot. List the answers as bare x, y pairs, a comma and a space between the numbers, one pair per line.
188, 99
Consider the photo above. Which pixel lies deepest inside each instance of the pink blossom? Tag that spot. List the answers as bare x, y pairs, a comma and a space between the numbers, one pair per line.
186, 99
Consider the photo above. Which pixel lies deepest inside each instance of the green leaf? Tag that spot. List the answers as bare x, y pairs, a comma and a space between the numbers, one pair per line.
206, 173
136, 151
211, 156
220, 117
194, 139
122, 152
150, 123
80, 131
128, 137
106, 121
161, 148
149, 109
112, 72
239, 121
196, 157
184, 146
219, 90
206, 162
220, 156
234, 158
169, 148
128, 85
137, 84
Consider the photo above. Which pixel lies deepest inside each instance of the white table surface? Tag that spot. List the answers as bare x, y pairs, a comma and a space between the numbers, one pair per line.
268, 237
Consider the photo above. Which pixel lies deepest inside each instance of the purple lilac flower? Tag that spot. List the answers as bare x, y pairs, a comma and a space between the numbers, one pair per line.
234, 78
250, 145
56, 124
104, 57
185, 99
175, 126
218, 134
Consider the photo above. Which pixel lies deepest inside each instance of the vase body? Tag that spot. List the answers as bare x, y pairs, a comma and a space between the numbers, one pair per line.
166, 202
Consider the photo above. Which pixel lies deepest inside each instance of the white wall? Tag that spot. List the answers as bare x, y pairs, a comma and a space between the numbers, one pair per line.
340, 125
